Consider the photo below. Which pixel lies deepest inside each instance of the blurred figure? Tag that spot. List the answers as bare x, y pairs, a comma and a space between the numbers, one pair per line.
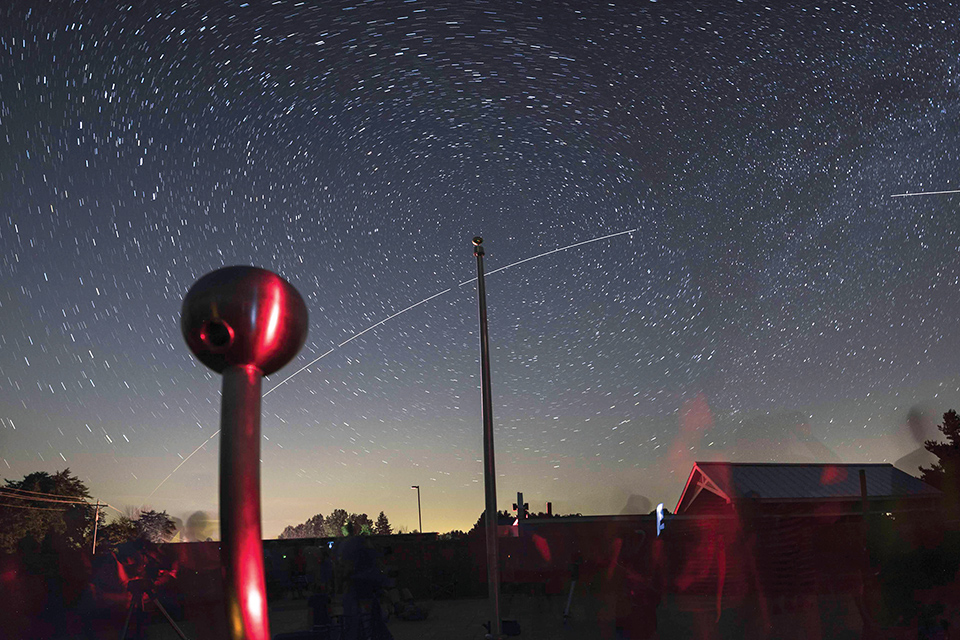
362, 583
637, 584
103, 597
298, 574
918, 427
199, 528
637, 506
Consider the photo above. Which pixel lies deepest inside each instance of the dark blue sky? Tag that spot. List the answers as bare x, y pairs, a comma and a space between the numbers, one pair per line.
772, 295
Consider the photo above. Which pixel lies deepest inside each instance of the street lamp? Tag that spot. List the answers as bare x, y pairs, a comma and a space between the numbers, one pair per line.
419, 516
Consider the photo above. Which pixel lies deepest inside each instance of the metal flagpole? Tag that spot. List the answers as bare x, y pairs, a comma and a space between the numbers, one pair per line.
489, 468
419, 514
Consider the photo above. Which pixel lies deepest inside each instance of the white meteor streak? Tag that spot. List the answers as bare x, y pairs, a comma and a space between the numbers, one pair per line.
388, 318
182, 462
440, 293
923, 193
547, 253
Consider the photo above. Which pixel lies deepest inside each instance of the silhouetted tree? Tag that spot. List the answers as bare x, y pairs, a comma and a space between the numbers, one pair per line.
155, 526
456, 534
112, 535
503, 518
362, 524
315, 527
42, 504
332, 525
335, 521
382, 527
945, 474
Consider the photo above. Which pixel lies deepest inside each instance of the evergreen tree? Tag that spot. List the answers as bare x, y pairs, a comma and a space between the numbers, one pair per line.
382, 527
945, 474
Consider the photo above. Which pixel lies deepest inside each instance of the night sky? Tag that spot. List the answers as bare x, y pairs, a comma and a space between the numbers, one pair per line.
774, 303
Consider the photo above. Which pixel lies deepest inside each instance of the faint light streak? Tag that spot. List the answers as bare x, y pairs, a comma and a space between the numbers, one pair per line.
180, 465
547, 253
923, 193
387, 319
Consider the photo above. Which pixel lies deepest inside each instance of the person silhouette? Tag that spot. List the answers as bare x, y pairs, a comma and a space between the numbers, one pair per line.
363, 580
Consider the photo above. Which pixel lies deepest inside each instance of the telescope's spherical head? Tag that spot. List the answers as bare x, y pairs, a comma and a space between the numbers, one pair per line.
239, 316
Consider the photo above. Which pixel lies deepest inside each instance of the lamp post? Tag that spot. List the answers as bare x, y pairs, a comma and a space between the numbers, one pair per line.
489, 471
419, 515
244, 323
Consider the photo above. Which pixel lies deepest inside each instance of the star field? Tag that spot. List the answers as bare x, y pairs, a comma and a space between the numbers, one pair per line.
355, 148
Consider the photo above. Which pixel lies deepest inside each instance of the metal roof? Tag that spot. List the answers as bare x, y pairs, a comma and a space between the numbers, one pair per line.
803, 481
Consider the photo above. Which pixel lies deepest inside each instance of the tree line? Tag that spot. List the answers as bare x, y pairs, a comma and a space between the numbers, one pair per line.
335, 526
55, 509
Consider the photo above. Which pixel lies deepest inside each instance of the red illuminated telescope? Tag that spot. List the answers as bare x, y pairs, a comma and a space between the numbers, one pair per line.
244, 323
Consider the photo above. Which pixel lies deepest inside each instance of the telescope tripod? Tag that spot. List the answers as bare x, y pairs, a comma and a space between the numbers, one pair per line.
139, 590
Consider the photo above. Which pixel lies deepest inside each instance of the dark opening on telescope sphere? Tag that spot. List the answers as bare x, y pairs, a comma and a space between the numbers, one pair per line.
217, 334
239, 316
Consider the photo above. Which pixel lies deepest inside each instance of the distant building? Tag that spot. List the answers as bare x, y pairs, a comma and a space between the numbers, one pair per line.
768, 530
800, 489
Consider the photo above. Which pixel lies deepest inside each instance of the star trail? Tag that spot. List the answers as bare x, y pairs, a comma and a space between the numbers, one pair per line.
774, 289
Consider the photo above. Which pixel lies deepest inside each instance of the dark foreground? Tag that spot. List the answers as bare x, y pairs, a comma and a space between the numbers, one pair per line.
592, 616
816, 576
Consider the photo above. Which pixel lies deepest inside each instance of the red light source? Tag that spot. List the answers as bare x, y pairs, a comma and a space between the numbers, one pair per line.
244, 323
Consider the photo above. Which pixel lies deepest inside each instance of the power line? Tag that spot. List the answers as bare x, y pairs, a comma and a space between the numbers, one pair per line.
39, 499
39, 493
23, 506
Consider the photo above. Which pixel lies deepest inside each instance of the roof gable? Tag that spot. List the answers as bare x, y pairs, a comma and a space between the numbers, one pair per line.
773, 482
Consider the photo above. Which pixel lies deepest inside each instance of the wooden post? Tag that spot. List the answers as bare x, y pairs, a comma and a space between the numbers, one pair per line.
96, 524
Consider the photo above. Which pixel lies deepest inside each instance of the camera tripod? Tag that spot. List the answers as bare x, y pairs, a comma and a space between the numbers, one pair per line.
138, 588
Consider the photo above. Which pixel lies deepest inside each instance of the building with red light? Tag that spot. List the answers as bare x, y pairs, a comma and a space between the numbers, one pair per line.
726, 488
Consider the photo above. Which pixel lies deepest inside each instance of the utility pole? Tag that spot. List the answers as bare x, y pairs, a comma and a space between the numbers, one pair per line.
489, 470
96, 524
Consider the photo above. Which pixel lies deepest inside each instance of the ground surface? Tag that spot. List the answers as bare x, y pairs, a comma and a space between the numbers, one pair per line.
541, 618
